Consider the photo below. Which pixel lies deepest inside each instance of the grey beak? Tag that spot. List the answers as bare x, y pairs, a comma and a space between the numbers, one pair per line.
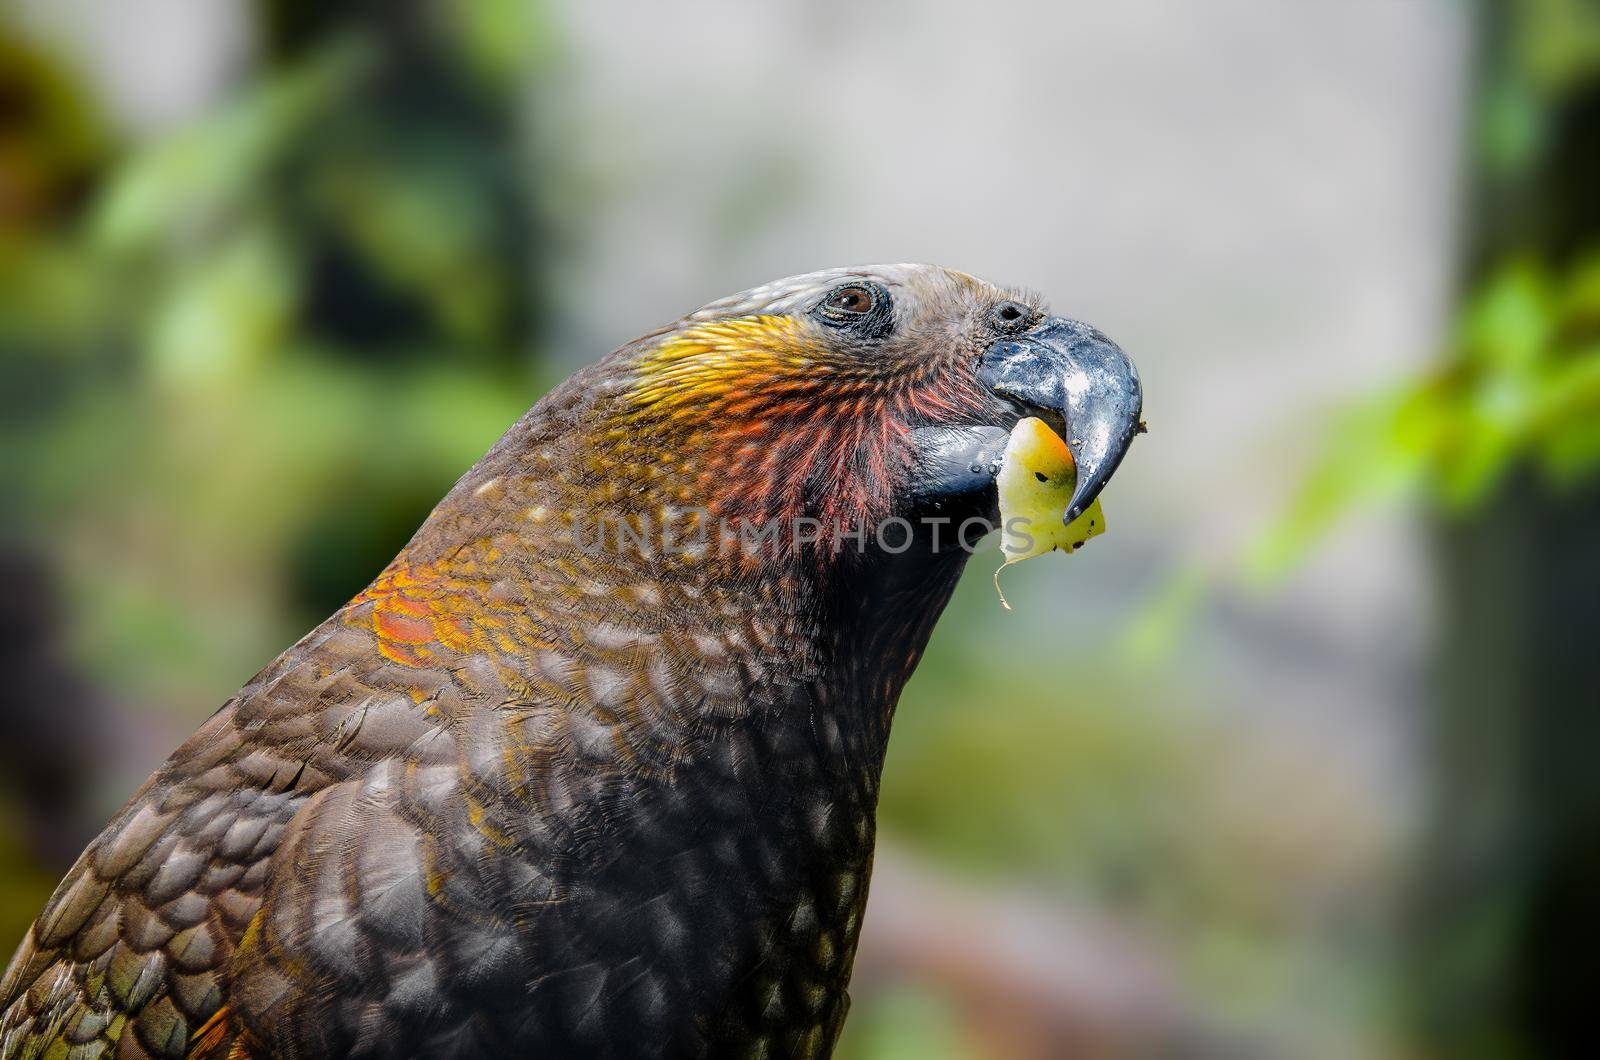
1082, 385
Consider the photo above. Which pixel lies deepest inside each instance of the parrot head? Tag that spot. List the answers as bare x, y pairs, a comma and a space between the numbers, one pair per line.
851, 396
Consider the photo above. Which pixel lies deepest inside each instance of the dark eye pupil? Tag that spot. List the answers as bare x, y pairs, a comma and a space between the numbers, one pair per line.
1009, 313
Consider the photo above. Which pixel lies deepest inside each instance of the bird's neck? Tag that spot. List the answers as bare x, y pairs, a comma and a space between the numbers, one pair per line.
880, 616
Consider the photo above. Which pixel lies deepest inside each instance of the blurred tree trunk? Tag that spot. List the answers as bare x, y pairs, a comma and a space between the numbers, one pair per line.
1508, 919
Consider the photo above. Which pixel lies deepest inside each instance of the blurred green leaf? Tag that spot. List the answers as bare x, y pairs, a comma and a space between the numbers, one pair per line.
179, 187
231, 309
1558, 42
501, 39
1519, 387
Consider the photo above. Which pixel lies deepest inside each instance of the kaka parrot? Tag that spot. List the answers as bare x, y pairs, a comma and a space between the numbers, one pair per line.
591, 768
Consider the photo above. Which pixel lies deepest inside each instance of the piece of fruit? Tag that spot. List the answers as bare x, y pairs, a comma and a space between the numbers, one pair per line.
1035, 483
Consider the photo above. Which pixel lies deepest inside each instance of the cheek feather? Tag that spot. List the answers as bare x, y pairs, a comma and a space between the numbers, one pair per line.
775, 426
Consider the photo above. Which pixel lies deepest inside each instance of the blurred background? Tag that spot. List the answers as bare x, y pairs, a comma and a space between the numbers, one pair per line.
1312, 774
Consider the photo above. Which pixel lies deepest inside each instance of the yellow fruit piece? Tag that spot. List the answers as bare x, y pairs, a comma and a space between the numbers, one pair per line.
1037, 476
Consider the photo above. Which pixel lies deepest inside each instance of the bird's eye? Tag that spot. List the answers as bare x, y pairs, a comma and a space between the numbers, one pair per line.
1010, 316
861, 307
849, 301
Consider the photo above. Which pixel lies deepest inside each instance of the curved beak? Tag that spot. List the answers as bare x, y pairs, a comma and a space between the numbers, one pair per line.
1082, 385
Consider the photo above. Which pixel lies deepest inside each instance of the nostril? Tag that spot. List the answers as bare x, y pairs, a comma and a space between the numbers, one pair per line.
1009, 316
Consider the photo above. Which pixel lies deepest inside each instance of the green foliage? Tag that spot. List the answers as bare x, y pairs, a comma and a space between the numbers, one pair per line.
1517, 386
1519, 389
1556, 43
243, 362
1552, 52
